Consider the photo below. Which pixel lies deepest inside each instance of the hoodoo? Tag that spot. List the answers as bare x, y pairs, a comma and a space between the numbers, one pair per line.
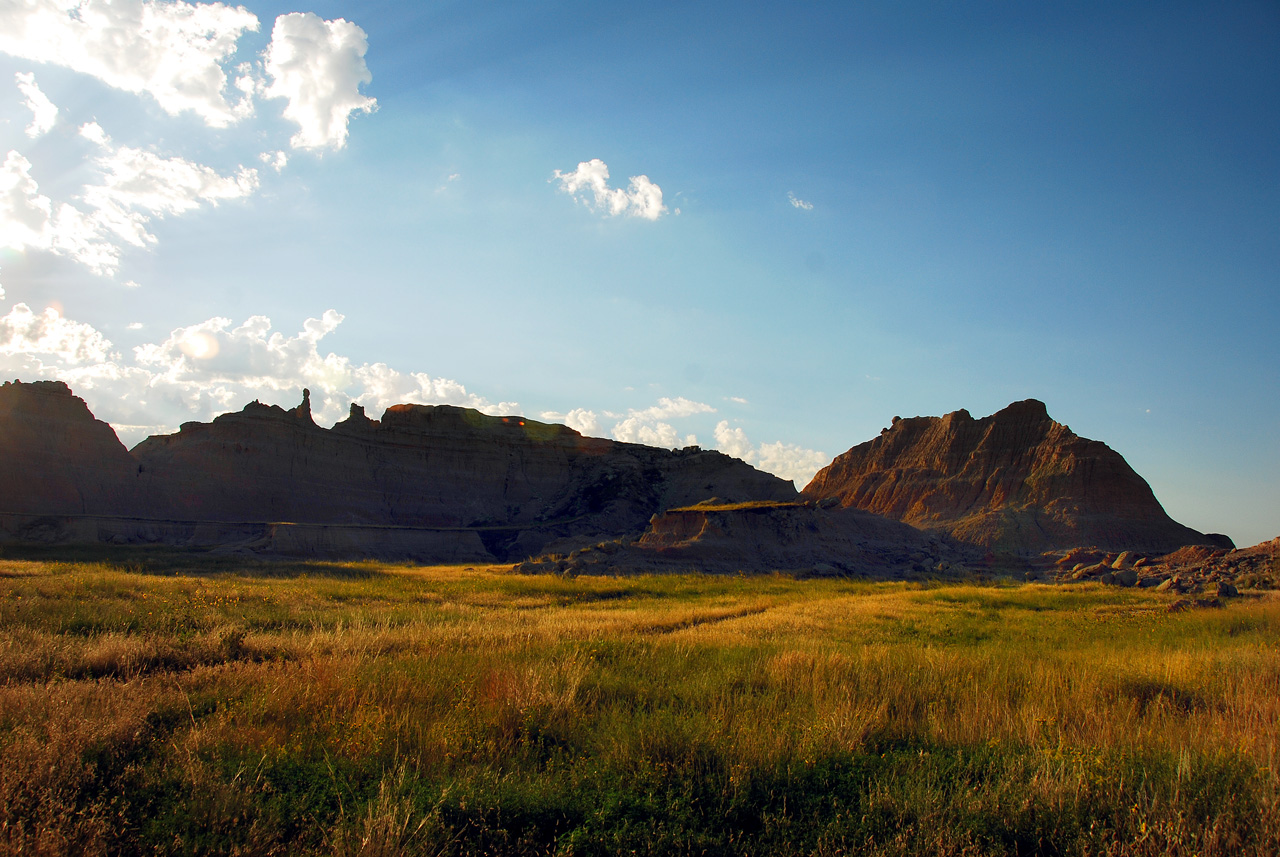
1015, 481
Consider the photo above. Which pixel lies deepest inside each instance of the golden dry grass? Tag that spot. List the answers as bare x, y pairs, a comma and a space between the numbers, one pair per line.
177, 705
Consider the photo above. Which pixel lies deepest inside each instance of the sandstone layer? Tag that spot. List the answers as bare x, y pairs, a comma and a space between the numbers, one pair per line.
1016, 481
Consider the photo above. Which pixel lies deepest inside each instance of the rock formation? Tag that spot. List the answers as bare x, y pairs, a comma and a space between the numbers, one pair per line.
56, 459
1199, 570
1015, 481
436, 483
805, 538
448, 484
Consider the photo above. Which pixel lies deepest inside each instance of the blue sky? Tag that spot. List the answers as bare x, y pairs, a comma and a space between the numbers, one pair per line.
814, 220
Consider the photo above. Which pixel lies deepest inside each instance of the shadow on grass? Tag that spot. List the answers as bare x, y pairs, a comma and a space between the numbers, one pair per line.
168, 561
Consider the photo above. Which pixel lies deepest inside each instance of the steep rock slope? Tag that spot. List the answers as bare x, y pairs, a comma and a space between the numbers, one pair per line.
1014, 481
56, 459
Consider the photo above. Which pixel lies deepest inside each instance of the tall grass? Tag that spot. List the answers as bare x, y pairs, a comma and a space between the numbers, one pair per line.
167, 703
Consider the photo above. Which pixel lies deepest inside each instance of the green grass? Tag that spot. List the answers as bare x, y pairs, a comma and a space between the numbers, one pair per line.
177, 703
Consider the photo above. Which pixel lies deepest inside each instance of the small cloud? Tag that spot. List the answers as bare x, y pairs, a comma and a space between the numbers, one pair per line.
589, 184
318, 66
739, 400
580, 420
43, 111
132, 284
796, 202
135, 325
276, 160
453, 177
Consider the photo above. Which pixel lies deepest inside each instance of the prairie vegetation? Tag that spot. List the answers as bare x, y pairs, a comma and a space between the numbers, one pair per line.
170, 703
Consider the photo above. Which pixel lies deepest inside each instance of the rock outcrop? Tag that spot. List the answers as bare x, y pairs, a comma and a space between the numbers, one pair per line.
435, 483
1015, 481
1189, 570
803, 538
56, 459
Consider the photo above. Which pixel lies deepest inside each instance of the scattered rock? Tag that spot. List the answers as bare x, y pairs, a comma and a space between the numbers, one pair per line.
1126, 577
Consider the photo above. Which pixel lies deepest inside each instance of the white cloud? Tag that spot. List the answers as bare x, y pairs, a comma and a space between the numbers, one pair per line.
796, 202
739, 400
668, 408
733, 441
381, 387
29, 220
277, 160
580, 420
43, 111
649, 425
318, 66
781, 459
48, 334
637, 430
135, 186
205, 369
589, 184
171, 51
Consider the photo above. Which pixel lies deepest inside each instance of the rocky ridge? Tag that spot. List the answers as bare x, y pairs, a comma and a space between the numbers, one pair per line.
436, 483
1016, 482
932, 497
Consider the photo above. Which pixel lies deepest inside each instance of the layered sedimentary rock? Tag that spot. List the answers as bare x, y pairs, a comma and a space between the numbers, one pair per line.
428, 482
56, 459
1015, 481
807, 538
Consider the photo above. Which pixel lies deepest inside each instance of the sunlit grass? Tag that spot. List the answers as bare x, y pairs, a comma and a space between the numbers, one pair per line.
173, 703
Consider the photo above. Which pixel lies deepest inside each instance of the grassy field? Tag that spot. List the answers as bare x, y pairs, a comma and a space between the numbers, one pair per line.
158, 703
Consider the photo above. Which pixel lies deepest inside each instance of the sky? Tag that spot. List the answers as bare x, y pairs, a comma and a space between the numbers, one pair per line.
761, 228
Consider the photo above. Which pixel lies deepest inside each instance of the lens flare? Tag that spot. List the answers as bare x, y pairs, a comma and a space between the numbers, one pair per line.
200, 345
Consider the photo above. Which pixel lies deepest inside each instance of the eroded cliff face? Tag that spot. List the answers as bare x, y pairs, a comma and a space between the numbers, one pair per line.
514, 482
1014, 481
56, 459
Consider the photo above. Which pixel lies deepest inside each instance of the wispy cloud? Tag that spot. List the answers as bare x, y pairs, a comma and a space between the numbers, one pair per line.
134, 186
589, 184
44, 113
796, 202
184, 58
